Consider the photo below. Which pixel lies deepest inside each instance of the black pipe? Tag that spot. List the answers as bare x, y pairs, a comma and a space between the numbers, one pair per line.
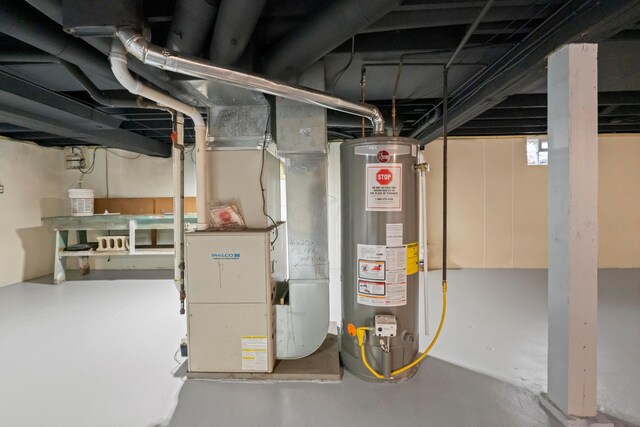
469, 33
461, 46
445, 113
445, 135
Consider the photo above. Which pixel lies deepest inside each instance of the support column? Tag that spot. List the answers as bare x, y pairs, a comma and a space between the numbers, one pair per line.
573, 229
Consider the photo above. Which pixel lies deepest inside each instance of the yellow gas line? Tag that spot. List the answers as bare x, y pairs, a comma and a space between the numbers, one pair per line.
361, 331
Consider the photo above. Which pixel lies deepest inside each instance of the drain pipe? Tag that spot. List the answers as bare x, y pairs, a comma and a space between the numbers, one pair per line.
164, 59
118, 58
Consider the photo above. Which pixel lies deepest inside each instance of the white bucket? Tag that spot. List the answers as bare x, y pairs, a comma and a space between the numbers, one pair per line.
81, 201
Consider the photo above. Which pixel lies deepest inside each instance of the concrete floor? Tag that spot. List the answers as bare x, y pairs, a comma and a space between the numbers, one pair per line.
497, 325
100, 353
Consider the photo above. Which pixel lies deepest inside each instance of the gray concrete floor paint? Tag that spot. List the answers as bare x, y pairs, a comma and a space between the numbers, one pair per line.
100, 353
497, 325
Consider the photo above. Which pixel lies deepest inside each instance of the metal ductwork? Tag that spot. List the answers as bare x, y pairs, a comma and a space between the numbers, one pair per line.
19, 21
53, 10
95, 93
322, 33
164, 59
235, 24
301, 132
192, 20
42, 33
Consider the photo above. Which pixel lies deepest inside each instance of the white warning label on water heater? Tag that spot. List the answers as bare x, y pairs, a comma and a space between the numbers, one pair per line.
384, 187
394, 234
382, 275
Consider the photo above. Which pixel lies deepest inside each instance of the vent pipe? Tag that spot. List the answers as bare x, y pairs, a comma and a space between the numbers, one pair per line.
165, 59
118, 58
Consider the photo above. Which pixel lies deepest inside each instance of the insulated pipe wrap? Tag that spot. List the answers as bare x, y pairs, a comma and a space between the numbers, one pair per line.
18, 20
322, 33
192, 20
234, 27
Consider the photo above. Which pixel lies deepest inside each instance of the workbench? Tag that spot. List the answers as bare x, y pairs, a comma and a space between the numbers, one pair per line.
62, 225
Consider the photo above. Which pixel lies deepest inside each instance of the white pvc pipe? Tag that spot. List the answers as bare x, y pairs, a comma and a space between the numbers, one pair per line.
423, 197
118, 59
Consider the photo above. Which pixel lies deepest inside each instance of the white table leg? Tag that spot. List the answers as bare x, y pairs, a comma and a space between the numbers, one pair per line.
60, 262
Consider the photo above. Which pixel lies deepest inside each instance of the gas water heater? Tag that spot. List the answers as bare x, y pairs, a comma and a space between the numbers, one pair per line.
379, 257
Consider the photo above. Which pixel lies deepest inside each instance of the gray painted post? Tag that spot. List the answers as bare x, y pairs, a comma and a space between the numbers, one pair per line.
573, 228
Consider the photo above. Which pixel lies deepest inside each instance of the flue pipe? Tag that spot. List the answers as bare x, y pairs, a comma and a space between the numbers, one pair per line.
164, 59
118, 58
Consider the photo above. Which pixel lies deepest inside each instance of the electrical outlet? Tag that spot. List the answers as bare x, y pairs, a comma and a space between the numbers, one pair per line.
1, 189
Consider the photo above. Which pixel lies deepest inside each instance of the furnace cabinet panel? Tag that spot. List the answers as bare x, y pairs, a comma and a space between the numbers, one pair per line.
229, 301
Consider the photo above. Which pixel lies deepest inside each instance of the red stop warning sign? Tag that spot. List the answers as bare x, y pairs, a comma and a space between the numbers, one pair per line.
384, 176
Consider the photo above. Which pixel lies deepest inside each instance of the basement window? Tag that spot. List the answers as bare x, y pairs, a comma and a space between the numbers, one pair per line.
537, 152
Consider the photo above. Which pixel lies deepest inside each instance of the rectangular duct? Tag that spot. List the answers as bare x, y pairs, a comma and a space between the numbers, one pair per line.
237, 117
301, 135
101, 17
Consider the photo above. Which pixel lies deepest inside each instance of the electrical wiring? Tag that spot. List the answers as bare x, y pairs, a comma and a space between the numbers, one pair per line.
92, 167
106, 170
264, 200
93, 163
123, 157
346, 67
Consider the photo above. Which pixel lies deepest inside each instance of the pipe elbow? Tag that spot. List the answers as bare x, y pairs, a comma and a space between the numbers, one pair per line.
118, 61
133, 42
378, 121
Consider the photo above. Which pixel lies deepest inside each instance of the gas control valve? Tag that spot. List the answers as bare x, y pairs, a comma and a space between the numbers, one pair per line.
386, 325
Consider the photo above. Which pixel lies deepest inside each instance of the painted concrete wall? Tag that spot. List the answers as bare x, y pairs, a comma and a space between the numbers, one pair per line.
498, 204
130, 175
33, 179
120, 173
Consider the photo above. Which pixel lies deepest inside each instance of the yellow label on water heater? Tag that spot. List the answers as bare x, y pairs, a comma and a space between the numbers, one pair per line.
412, 258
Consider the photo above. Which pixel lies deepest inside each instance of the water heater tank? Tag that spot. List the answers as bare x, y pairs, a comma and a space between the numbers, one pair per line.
379, 255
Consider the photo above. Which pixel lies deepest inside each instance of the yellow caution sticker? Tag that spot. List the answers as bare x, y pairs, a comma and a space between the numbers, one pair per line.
412, 258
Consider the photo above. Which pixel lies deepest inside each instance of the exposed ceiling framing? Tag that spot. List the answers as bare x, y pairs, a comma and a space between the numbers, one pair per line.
498, 85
